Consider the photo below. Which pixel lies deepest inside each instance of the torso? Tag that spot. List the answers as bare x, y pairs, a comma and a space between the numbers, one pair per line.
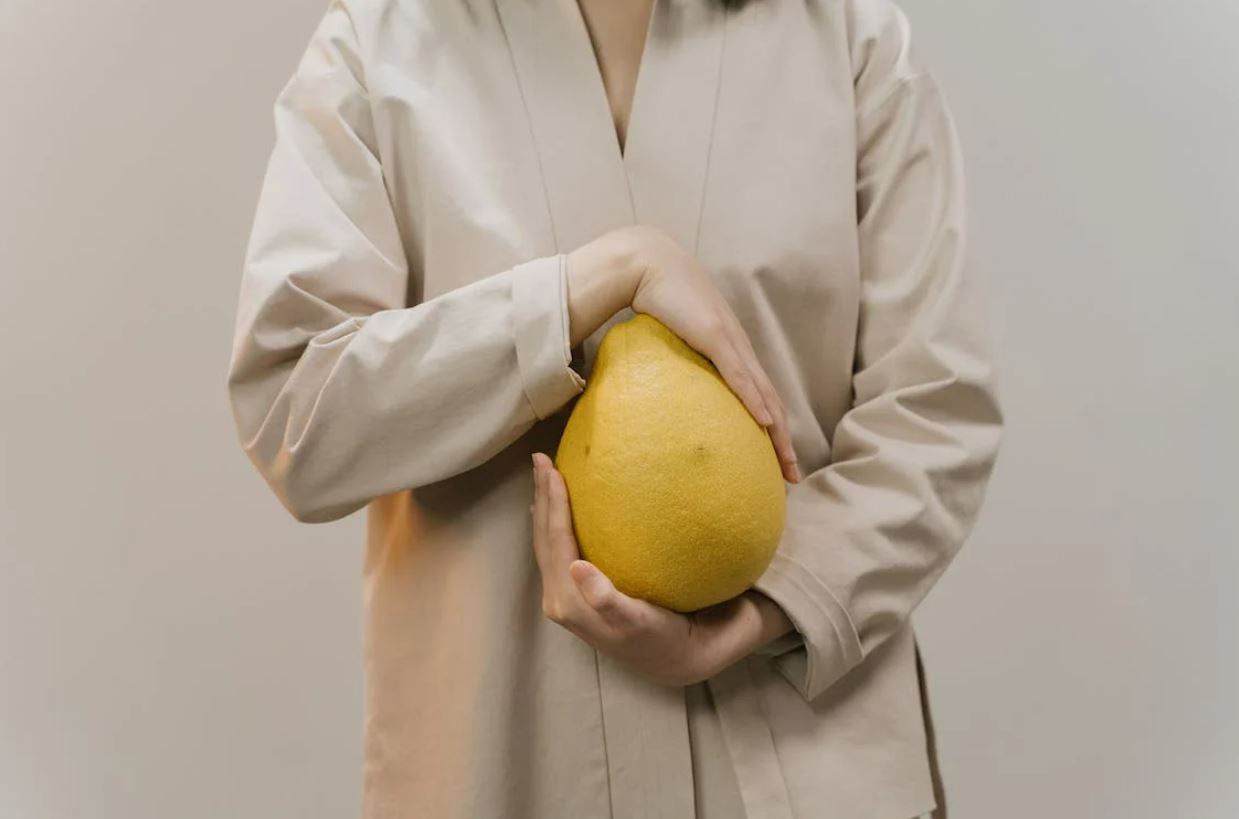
499, 128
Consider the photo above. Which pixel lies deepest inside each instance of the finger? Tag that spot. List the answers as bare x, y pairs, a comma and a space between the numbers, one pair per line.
780, 433
561, 539
744, 348
754, 374
618, 610
770, 398
781, 437
560, 601
731, 366
538, 512
780, 430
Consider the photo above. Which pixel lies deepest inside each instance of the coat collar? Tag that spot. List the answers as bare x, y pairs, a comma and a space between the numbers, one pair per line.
659, 179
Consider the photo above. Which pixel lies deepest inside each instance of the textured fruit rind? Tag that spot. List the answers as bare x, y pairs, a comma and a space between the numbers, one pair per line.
676, 491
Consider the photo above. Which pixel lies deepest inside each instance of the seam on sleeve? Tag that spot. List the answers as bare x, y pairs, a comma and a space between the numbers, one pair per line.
893, 92
540, 315
841, 610
516, 320
810, 590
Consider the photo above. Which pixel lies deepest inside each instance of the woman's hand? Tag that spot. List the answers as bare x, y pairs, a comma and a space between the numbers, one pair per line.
645, 268
663, 645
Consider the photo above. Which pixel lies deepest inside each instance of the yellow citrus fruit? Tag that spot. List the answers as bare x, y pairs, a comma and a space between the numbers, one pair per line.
676, 491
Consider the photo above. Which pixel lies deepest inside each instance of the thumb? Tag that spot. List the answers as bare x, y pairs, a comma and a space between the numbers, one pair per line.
598, 590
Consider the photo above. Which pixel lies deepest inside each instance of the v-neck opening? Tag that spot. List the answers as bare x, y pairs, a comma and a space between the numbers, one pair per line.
621, 148
590, 182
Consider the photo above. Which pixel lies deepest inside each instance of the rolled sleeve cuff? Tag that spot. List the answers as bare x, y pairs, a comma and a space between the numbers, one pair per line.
831, 645
541, 332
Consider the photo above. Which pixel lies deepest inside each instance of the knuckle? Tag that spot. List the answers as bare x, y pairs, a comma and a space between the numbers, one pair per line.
624, 630
633, 626
738, 376
607, 603
552, 610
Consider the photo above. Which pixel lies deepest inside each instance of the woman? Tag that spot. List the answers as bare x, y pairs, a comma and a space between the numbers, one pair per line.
462, 197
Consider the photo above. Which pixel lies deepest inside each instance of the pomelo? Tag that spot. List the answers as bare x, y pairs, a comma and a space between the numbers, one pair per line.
676, 491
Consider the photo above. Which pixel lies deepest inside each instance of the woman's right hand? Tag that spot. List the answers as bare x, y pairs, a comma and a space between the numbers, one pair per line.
644, 268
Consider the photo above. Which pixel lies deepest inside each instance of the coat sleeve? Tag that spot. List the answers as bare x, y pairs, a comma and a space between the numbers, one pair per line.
340, 391
868, 534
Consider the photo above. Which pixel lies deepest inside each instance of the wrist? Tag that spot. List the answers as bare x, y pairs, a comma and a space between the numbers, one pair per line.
602, 278
773, 621
752, 621
627, 251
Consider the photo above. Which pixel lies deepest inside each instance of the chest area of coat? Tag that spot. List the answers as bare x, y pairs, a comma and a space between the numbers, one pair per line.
769, 206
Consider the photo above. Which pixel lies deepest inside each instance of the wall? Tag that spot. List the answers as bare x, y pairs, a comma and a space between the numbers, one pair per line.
1083, 647
172, 644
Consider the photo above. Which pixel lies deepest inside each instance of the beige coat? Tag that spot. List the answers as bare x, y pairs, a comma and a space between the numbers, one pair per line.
401, 344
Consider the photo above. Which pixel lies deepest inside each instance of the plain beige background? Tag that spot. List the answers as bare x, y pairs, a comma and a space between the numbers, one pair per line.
172, 644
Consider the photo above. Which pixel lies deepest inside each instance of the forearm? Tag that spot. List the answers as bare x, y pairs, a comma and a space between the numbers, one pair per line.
399, 398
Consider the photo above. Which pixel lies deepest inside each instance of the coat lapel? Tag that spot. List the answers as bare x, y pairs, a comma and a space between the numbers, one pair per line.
592, 187
582, 171
750, 744
589, 184
649, 757
667, 154
659, 179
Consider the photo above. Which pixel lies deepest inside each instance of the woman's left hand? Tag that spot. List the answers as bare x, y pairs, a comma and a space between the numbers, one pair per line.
663, 645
